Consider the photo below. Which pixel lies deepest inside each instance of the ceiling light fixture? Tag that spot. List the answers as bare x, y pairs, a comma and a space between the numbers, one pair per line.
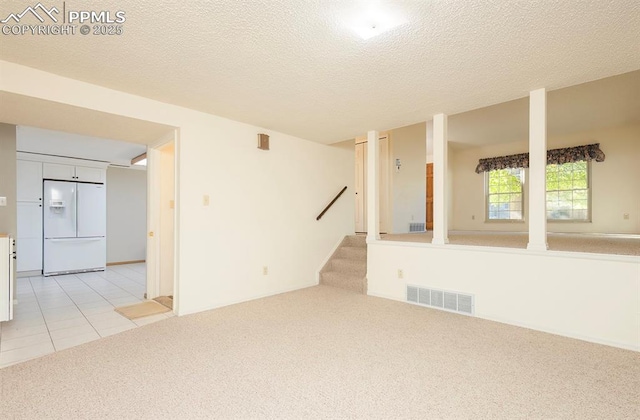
375, 21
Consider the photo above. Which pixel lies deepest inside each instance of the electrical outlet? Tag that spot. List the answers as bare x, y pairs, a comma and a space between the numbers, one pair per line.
205, 200
3, 201
625, 216
400, 274
473, 217
265, 270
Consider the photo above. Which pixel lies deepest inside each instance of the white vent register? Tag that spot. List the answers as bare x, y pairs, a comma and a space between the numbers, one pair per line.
441, 299
417, 227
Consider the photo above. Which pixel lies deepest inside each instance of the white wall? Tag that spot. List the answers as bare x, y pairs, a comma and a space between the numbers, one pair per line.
575, 295
126, 214
263, 203
408, 185
615, 183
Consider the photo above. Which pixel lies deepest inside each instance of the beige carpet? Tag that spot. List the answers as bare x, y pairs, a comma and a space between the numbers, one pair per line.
140, 310
556, 241
347, 267
326, 353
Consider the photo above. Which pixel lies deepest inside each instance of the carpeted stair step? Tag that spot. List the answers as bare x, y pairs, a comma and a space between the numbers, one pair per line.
349, 266
352, 253
356, 284
356, 241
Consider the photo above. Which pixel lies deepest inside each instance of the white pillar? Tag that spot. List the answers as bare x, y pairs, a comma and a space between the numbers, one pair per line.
373, 186
440, 156
537, 170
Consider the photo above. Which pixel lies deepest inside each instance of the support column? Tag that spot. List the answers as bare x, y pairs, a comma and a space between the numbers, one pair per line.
537, 170
373, 186
440, 199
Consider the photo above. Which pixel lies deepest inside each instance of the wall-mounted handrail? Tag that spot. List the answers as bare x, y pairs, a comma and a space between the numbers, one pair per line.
331, 203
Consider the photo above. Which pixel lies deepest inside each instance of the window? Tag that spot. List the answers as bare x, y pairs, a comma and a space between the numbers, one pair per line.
504, 194
568, 191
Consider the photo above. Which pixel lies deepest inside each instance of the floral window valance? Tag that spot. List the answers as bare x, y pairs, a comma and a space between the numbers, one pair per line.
555, 156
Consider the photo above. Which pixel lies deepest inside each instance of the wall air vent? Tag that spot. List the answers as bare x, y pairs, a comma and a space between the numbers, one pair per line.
440, 299
263, 142
417, 227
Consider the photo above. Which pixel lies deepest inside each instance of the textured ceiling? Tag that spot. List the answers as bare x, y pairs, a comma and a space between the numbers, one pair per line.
294, 65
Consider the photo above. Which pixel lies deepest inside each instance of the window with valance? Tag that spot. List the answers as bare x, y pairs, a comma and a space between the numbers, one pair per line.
567, 183
555, 156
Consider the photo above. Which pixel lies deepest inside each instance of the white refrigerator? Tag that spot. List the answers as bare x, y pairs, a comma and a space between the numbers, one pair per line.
75, 224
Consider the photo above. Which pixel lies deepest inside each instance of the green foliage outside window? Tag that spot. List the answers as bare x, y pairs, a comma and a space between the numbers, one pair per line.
568, 191
504, 188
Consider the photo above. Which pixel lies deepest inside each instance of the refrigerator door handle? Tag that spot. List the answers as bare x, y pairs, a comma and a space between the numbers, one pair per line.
74, 209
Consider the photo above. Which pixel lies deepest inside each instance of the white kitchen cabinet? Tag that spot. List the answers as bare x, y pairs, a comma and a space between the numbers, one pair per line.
29, 181
29, 240
73, 173
86, 174
57, 171
6, 277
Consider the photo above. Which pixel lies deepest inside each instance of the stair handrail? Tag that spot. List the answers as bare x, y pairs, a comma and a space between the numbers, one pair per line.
331, 203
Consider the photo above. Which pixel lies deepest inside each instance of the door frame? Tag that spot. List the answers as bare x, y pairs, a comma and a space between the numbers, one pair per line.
154, 231
384, 175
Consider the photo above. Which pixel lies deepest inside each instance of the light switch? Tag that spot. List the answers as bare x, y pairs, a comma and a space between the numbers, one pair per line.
205, 200
3, 201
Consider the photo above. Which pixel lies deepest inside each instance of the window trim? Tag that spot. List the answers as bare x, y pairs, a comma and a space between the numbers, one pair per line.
524, 201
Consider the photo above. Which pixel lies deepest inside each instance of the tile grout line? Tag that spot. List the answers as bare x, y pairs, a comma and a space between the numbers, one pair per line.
125, 268
2, 324
61, 288
42, 313
45, 325
76, 305
116, 285
96, 291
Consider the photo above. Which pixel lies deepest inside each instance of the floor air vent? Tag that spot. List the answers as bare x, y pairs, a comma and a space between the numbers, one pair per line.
417, 227
450, 301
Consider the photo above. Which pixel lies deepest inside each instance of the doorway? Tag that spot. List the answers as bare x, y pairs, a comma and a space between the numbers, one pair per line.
429, 195
161, 248
361, 183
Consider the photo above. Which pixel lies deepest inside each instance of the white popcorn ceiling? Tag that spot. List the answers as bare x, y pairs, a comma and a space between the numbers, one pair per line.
294, 66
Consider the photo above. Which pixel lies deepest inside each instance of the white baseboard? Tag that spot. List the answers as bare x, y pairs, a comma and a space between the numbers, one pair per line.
33, 273
254, 297
568, 334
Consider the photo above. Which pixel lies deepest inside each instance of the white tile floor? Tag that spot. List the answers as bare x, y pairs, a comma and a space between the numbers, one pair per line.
58, 312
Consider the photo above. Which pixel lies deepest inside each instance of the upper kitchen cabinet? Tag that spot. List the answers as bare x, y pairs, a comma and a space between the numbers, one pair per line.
29, 181
85, 174
73, 173
57, 171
